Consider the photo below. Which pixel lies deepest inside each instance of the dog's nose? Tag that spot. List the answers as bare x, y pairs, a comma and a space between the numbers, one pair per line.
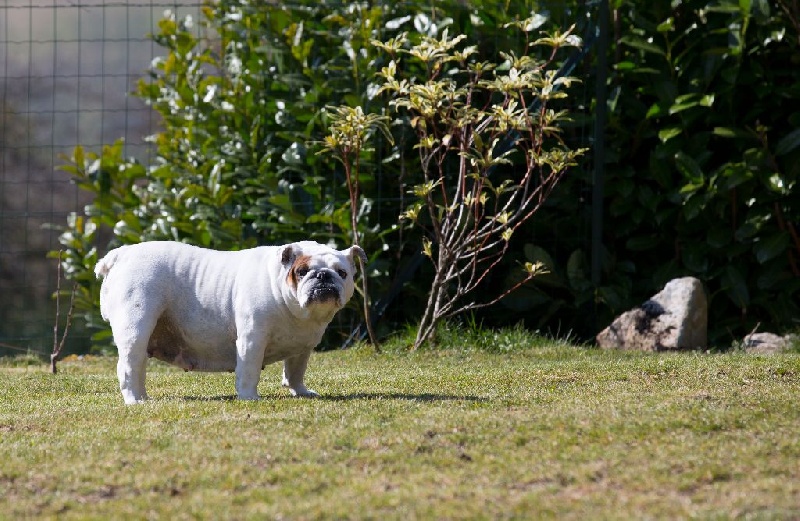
323, 275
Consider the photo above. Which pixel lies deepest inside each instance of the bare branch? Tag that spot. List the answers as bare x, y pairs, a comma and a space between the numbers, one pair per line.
58, 345
467, 244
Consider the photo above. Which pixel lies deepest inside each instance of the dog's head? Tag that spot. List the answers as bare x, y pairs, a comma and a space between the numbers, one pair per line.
319, 277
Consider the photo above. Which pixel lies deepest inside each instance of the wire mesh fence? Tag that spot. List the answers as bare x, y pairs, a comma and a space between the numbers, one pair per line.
66, 70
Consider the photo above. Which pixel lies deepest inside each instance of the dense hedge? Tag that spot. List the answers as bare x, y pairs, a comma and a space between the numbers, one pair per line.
703, 160
709, 113
701, 176
703, 142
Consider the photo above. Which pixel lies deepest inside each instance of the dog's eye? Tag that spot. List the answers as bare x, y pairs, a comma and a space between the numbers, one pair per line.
342, 273
301, 271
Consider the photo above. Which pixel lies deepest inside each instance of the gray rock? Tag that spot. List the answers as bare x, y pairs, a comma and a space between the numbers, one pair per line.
676, 318
767, 343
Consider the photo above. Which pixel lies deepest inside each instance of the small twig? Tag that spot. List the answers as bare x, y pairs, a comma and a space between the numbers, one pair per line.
58, 345
746, 337
349, 130
367, 310
55, 353
352, 173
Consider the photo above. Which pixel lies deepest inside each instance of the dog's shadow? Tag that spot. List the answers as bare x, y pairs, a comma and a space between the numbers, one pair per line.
218, 398
422, 397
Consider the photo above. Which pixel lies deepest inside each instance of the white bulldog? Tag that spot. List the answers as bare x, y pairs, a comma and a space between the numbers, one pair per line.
206, 310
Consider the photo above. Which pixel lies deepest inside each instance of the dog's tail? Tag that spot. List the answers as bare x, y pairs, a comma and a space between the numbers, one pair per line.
105, 264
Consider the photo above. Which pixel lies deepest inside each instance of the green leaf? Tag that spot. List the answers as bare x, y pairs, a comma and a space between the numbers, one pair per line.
295, 154
689, 168
536, 254
788, 143
684, 102
771, 247
725, 6
692, 206
642, 45
625, 66
539, 256
734, 174
666, 26
657, 110
746, 231
695, 257
731, 133
668, 133
735, 286
576, 272
687, 101
744, 6
78, 157
777, 184
646, 70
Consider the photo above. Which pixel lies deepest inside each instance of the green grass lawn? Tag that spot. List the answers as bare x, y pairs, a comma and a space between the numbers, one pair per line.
548, 431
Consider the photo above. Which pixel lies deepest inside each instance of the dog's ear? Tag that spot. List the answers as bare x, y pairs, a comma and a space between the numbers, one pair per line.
288, 255
356, 251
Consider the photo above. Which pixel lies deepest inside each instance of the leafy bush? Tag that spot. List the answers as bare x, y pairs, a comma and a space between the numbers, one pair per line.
709, 111
701, 175
241, 100
703, 165
471, 117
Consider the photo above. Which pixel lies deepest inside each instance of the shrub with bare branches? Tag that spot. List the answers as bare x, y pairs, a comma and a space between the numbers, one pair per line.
470, 117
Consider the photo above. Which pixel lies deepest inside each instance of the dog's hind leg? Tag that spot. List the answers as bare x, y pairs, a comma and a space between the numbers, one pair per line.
294, 371
131, 369
132, 365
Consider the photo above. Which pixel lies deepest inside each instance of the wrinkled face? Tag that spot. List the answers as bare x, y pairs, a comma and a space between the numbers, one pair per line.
319, 276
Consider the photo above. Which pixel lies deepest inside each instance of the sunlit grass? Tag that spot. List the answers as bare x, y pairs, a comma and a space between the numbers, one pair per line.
543, 431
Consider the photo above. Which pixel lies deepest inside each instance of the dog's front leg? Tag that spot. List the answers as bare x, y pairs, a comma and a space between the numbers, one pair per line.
294, 370
249, 359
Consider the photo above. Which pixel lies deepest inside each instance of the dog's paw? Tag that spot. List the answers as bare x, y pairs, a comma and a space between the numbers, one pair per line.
130, 400
304, 393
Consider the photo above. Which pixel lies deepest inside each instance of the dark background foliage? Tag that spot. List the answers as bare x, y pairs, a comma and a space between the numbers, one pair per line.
701, 171
704, 157
701, 177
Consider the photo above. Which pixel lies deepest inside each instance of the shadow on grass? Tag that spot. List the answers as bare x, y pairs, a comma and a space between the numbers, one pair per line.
423, 397
219, 398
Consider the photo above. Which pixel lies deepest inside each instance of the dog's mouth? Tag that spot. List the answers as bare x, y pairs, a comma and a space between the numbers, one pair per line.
323, 292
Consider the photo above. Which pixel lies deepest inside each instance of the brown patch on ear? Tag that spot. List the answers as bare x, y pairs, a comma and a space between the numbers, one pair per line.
302, 261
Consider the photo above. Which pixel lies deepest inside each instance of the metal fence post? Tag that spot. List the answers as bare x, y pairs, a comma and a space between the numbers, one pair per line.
601, 109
